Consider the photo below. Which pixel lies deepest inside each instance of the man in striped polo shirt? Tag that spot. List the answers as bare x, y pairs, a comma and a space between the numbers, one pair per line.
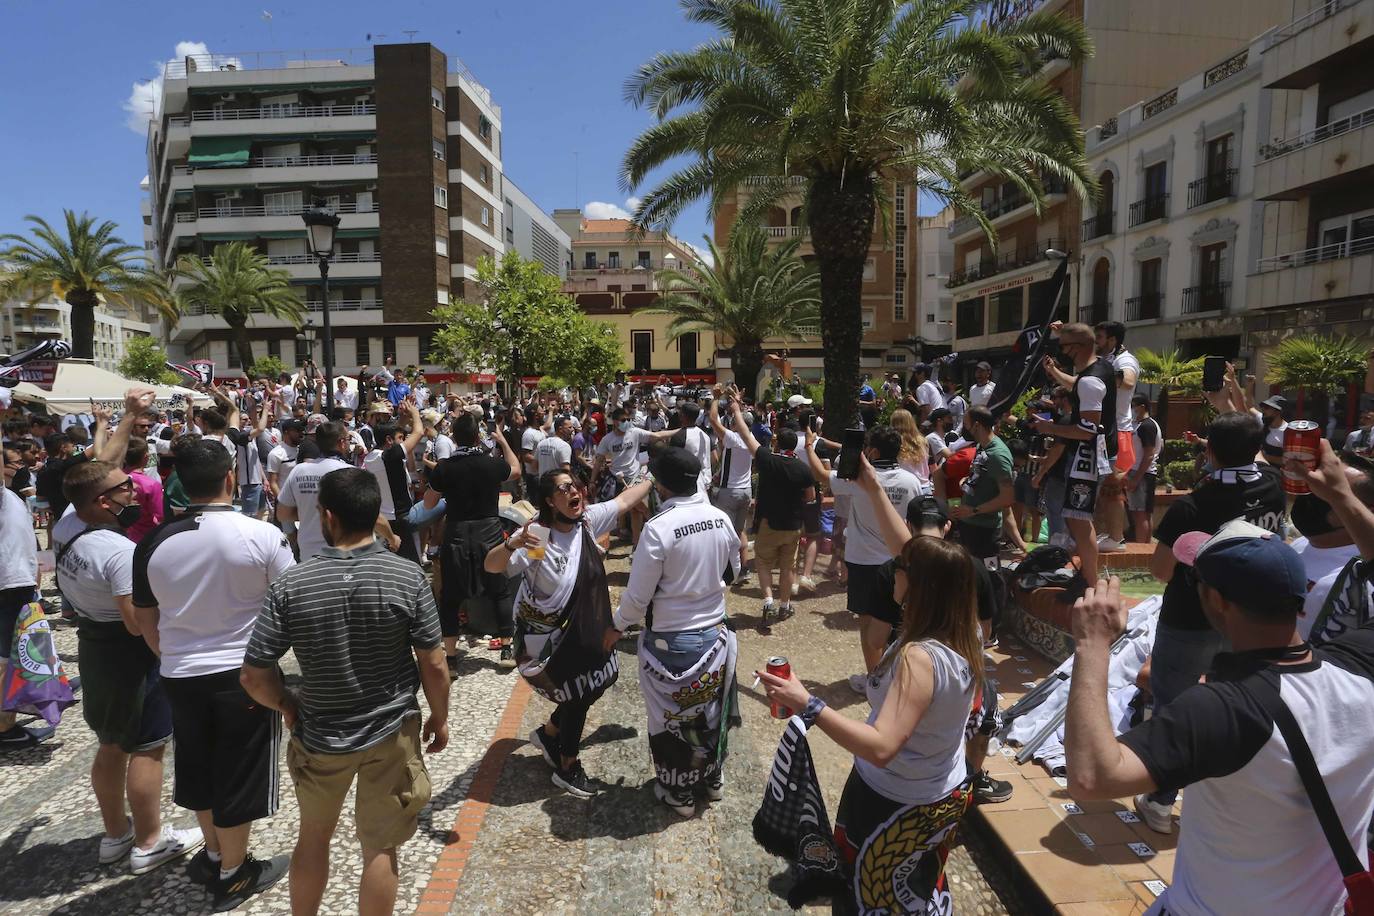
359, 618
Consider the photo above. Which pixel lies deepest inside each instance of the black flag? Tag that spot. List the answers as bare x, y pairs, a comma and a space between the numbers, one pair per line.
1023, 365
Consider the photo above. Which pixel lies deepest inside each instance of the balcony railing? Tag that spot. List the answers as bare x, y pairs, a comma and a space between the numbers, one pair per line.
1151, 208
675, 264
1001, 264
342, 110
1332, 252
1146, 307
1206, 298
1099, 225
782, 232
343, 257
1217, 186
1307, 20
1095, 313
263, 210
760, 180
1316, 135
283, 162
314, 305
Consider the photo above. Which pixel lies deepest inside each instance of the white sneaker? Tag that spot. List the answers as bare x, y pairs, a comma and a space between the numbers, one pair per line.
112, 849
1159, 818
859, 684
715, 791
807, 583
174, 843
1108, 544
682, 807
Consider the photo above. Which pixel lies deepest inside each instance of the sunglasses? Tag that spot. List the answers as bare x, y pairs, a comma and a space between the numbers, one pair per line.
126, 487
568, 488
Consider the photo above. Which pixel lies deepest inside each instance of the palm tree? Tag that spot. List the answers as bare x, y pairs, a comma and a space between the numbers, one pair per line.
749, 294
851, 95
1172, 373
1323, 364
86, 265
235, 283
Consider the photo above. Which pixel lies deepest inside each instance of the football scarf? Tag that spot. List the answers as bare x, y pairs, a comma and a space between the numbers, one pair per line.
1347, 605
48, 349
1023, 366
689, 713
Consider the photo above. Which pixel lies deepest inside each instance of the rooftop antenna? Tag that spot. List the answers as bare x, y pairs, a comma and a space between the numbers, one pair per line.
409, 33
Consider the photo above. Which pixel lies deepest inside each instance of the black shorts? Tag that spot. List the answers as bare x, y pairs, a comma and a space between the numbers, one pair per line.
124, 703
811, 519
1080, 498
226, 749
980, 541
12, 602
865, 591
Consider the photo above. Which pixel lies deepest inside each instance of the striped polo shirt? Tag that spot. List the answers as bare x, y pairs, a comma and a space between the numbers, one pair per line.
352, 617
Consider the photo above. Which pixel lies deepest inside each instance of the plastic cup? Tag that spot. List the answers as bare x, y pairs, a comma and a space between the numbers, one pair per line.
539, 539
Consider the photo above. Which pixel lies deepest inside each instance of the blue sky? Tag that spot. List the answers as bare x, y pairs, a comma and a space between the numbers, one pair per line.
555, 68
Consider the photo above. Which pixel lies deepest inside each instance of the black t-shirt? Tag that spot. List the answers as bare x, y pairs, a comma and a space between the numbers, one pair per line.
1102, 370
783, 482
471, 485
48, 484
394, 460
1259, 501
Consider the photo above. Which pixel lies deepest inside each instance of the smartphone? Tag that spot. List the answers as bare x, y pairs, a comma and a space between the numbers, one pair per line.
850, 453
1213, 373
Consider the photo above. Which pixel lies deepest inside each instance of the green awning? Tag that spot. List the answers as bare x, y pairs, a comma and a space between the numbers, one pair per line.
235, 236
219, 152
356, 234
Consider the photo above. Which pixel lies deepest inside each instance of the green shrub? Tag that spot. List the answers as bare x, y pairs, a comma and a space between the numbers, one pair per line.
1182, 475
1176, 450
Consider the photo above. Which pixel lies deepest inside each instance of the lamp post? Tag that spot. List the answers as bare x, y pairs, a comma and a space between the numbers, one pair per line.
305, 338
322, 223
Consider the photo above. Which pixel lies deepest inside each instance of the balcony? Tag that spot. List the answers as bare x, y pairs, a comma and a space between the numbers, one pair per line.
1214, 187
1149, 209
1318, 274
1006, 209
273, 119
1146, 307
266, 170
1289, 167
258, 218
1001, 264
1095, 313
1095, 227
757, 181
1318, 44
1211, 297
279, 111
782, 232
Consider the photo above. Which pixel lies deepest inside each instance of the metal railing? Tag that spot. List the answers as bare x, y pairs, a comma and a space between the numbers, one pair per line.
1332, 252
1316, 135
1001, 264
1099, 225
263, 210
782, 232
1209, 297
1094, 313
759, 180
313, 305
676, 264
1217, 186
1147, 307
1151, 208
270, 111
1307, 20
343, 257
282, 162
267, 60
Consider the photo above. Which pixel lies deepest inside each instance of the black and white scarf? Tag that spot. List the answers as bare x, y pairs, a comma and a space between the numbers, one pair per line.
689, 712
1242, 473
48, 349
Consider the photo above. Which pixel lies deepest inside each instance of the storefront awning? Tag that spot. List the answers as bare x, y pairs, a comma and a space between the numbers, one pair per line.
1011, 280
219, 152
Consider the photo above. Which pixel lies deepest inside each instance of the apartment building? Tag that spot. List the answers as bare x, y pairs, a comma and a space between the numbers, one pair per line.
24, 325
613, 277
1314, 173
1142, 50
1166, 248
532, 233
401, 140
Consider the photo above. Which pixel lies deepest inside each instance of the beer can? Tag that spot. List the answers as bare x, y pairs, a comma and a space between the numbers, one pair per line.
1300, 443
779, 667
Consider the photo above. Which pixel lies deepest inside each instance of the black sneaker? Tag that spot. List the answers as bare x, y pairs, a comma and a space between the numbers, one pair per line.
253, 877
507, 659
201, 870
574, 780
547, 746
987, 790
783, 612
17, 739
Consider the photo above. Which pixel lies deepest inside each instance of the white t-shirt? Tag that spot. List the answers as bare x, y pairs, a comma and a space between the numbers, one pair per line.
981, 395
18, 548
699, 444
623, 448
444, 447
529, 439
374, 465
736, 464
281, 460
207, 572
343, 397
547, 576
97, 569
1323, 565
301, 491
929, 394
552, 453
863, 539
936, 444
1125, 420
1091, 393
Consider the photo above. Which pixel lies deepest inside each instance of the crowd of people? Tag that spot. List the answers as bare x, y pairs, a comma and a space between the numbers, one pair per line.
373, 528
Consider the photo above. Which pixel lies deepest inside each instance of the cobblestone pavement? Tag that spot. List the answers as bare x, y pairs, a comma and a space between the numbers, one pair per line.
539, 851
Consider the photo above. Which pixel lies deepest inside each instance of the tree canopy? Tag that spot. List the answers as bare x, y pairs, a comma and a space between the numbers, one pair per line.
145, 360
236, 282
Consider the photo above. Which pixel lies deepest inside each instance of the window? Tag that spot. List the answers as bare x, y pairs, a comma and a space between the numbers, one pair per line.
285, 203
1346, 235
1156, 180
638, 288
969, 318
868, 319
364, 351
1210, 264
643, 259
613, 260
1219, 155
234, 361
483, 127
274, 347
388, 347
427, 344
642, 349
1008, 306
589, 260
870, 270
484, 173
436, 97
895, 359
510, 236
441, 196
899, 303
441, 245
442, 295
486, 216
612, 287
439, 150
687, 349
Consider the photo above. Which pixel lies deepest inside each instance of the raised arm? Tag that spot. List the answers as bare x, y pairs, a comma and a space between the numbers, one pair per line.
741, 428
633, 496
417, 427
818, 470
232, 417
136, 400
890, 522
512, 459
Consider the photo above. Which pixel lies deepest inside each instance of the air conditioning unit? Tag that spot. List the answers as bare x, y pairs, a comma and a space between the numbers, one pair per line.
228, 96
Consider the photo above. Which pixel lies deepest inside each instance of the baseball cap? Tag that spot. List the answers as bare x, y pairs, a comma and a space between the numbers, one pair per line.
296, 425
1245, 563
984, 364
926, 510
939, 413
798, 400
675, 468
1277, 402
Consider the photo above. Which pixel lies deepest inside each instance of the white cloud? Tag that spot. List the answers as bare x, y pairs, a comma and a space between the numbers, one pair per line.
144, 96
703, 253
632, 203
599, 209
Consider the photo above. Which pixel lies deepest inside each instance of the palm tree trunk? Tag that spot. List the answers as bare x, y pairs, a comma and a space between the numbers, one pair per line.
83, 303
1162, 410
747, 360
239, 330
842, 213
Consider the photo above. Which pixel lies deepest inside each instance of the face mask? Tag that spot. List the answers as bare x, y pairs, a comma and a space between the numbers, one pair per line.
626, 426
128, 516
1311, 515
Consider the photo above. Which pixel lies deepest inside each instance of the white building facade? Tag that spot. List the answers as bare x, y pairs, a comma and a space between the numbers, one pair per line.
24, 326
533, 234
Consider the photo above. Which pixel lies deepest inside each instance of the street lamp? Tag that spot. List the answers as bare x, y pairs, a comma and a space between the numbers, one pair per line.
305, 338
321, 223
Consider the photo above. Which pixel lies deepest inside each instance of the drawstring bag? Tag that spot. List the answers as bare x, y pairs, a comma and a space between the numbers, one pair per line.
34, 682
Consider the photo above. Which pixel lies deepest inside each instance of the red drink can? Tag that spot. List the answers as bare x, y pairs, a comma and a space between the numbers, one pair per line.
779, 667
1300, 443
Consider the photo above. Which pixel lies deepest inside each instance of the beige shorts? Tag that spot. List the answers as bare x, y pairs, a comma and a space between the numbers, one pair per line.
393, 785
775, 548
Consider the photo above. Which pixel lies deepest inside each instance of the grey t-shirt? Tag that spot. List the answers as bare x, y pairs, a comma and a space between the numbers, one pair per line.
551, 453
98, 568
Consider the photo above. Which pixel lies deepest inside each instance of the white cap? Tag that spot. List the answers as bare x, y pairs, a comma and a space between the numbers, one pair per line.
797, 400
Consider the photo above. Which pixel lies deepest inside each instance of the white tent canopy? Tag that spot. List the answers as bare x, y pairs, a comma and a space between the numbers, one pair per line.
77, 384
